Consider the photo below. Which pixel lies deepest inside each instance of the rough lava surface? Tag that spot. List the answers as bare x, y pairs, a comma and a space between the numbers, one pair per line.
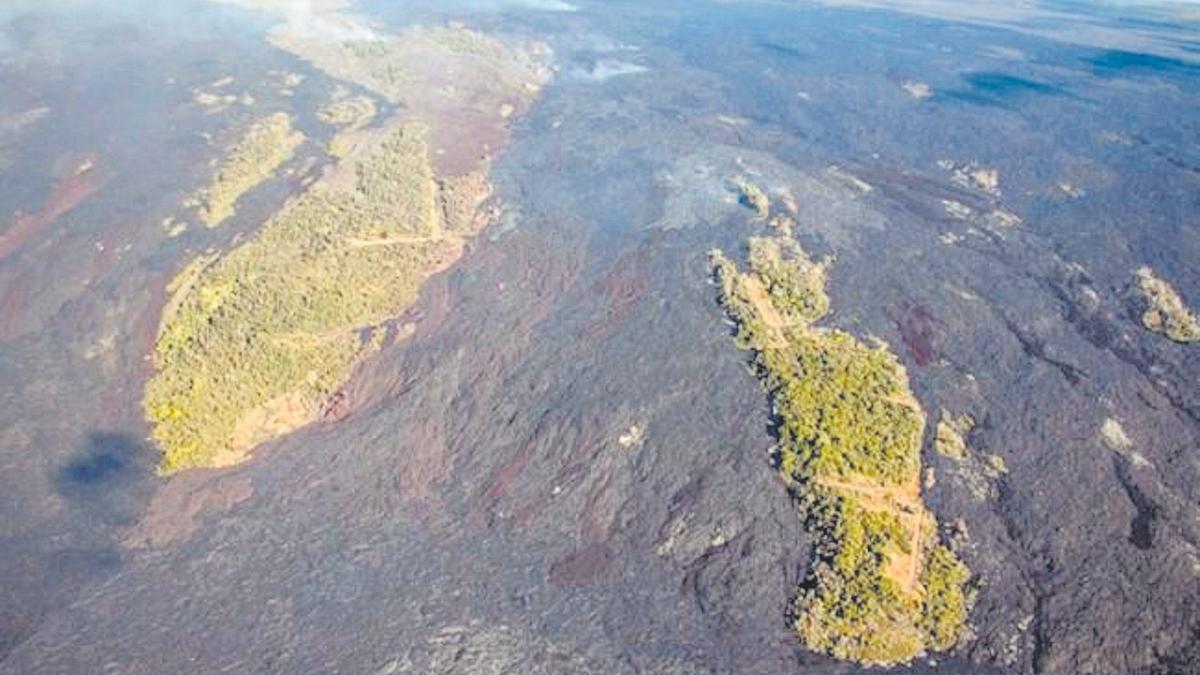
564, 465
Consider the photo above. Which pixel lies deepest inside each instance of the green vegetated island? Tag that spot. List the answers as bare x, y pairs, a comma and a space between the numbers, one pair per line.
266, 145
881, 588
255, 341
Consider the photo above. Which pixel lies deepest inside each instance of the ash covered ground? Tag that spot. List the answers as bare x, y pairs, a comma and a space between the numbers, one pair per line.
561, 463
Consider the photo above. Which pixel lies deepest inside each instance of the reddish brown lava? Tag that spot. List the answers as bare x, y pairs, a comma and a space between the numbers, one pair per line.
916, 326
621, 287
582, 566
11, 304
67, 195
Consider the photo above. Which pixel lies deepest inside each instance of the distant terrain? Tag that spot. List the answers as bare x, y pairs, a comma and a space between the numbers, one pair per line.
546, 336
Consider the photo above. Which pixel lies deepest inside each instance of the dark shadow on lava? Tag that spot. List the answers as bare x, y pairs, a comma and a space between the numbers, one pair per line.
110, 478
107, 483
1001, 90
1113, 62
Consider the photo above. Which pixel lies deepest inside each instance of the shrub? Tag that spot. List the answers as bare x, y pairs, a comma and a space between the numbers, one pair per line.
950, 438
267, 144
840, 409
795, 283
1165, 312
348, 112
848, 607
944, 614
753, 196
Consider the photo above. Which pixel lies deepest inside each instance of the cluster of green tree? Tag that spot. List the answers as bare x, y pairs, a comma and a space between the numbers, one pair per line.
382, 68
351, 114
751, 331
354, 111
796, 284
850, 434
843, 409
274, 326
753, 196
950, 437
401, 196
1165, 312
267, 144
852, 606
944, 613
848, 606
386, 66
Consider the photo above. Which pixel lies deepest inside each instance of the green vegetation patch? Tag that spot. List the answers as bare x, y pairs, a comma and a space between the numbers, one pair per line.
354, 111
849, 607
352, 114
394, 67
1165, 312
880, 590
950, 438
947, 602
462, 196
255, 340
266, 145
795, 283
752, 332
753, 196
843, 409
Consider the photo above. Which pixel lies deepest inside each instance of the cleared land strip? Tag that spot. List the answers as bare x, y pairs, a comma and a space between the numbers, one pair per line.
394, 241
756, 293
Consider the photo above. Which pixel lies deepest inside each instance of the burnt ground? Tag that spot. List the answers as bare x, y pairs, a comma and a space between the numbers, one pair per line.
472, 508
